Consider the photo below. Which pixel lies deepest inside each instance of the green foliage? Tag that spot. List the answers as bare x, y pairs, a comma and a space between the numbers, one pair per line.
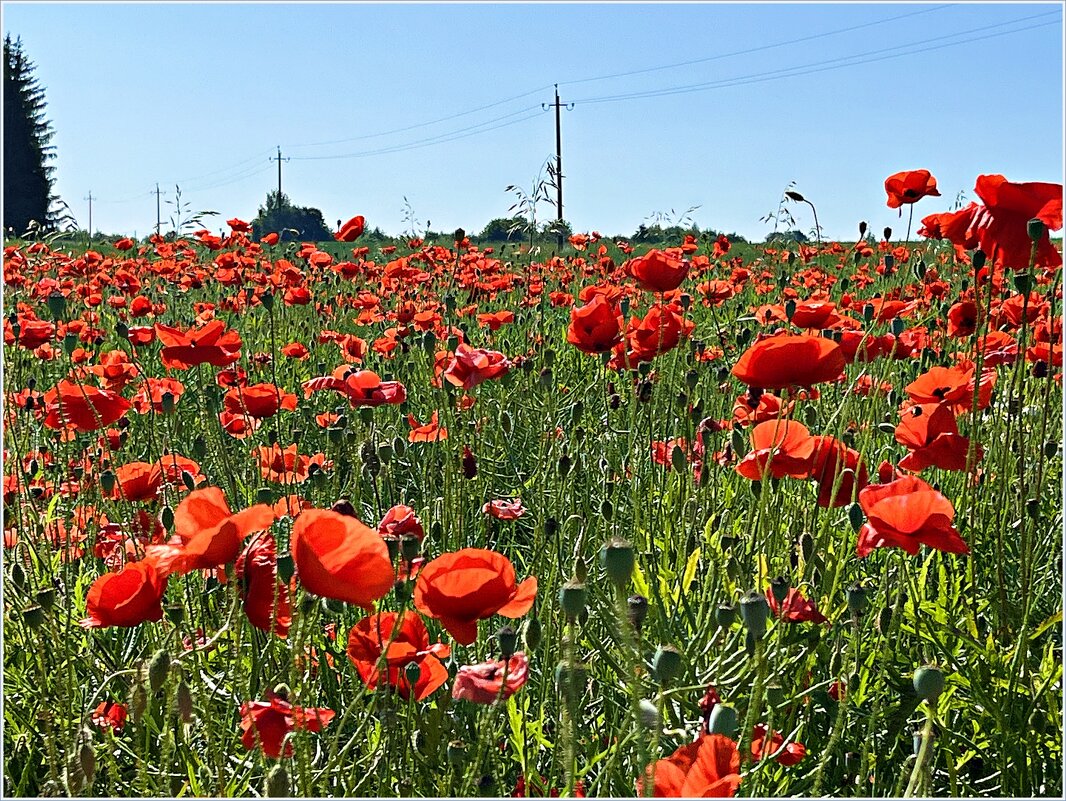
502, 229
291, 223
28, 173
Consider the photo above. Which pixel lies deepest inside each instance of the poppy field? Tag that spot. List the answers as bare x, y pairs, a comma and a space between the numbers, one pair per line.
445, 519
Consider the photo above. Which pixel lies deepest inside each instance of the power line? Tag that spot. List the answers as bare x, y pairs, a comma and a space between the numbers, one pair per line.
450, 136
855, 59
759, 49
422, 124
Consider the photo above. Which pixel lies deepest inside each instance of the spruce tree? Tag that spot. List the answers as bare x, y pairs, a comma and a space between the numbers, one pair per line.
28, 175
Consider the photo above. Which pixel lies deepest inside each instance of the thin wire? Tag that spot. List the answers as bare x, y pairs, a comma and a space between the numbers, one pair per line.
421, 124
233, 179
820, 66
428, 141
761, 48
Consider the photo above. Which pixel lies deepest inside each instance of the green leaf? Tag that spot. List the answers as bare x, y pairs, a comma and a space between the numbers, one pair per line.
690, 570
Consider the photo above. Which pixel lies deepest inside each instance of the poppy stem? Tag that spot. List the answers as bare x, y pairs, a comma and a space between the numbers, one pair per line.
918, 773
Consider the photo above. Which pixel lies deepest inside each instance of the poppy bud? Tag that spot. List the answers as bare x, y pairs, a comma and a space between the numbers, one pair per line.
277, 782
666, 664
87, 761
928, 682
460, 235
564, 465
618, 559
644, 391
858, 599
738, 442
855, 516
1023, 282
570, 680
890, 261
779, 587
57, 304
977, 261
393, 546
1040, 369
607, 509
158, 669
267, 299
637, 611
183, 701
107, 481
344, 507
1051, 449
507, 638
1035, 227
754, 611
678, 459
469, 463
532, 634
34, 617
649, 715
615, 401
723, 720
796, 196
456, 752
888, 233
18, 576
897, 328
572, 599
122, 330
919, 269
138, 701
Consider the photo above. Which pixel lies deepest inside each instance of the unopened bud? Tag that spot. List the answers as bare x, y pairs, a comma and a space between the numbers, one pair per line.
532, 634
754, 612
637, 608
618, 559
725, 615
723, 720
928, 682
277, 782
1035, 228
158, 669
572, 598
666, 664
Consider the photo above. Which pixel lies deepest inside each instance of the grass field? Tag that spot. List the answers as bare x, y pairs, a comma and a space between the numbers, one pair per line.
267, 506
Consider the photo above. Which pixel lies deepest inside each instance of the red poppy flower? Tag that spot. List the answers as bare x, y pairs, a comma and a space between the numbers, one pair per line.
953, 226
376, 636
595, 327
659, 332
124, 244
270, 239
401, 521
361, 387
495, 320
504, 510
795, 608
461, 588
768, 407
430, 432
952, 386
137, 481
265, 598
258, 401
962, 319
81, 407
760, 748
110, 715
931, 433
779, 448
338, 557
1001, 225
127, 598
287, 464
909, 187
907, 513
351, 230
468, 366
269, 722
488, 682
212, 344
785, 360
657, 271
837, 469
707, 768
209, 535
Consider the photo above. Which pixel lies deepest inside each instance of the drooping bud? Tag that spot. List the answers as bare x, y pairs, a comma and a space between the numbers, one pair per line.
158, 669
277, 782
725, 615
779, 588
532, 634
637, 611
858, 599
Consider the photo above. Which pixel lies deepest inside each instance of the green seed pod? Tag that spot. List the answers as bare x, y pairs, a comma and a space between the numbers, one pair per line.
723, 720
754, 612
57, 304
570, 680
412, 672
532, 634
779, 587
385, 453
678, 459
572, 598
666, 665
158, 669
884, 619
70, 343
107, 481
725, 615
637, 611
34, 617
1035, 228
277, 782
167, 402
366, 414
46, 598
928, 682
399, 447
507, 638
175, 613
739, 444
858, 599
564, 465
267, 299
264, 495
122, 330
618, 559
183, 701
897, 326
456, 752
166, 517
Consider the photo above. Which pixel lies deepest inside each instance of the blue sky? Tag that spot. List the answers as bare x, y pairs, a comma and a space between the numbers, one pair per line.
200, 94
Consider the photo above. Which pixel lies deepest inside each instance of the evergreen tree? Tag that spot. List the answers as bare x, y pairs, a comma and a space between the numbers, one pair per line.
28, 176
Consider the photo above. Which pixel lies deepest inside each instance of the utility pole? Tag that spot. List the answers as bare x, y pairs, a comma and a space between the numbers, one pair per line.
90, 199
558, 158
158, 212
279, 159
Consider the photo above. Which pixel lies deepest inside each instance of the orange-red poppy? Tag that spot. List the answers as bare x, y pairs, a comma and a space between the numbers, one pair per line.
707, 768
268, 723
127, 598
491, 681
81, 407
212, 344
657, 271
265, 598
461, 588
338, 557
786, 360
376, 637
351, 230
779, 448
907, 513
909, 187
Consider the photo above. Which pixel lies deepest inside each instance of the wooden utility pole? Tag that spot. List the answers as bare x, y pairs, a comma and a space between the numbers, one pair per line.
279, 159
158, 210
90, 199
558, 158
